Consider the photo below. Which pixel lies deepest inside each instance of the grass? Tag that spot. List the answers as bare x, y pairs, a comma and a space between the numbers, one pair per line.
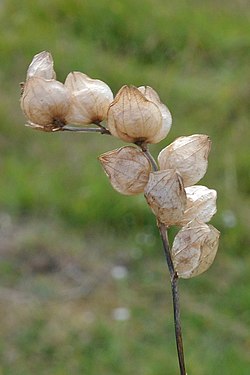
58, 210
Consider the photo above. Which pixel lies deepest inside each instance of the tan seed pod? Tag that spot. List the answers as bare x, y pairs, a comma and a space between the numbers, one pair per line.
201, 204
188, 155
166, 196
90, 99
127, 168
133, 118
41, 66
194, 249
45, 103
152, 95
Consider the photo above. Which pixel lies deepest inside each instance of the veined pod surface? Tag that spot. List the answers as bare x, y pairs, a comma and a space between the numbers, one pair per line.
90, 99
45, 103
166, 196
134, 118
152, 95
188, 155
42, 65
127, 168
201, 204
194, 249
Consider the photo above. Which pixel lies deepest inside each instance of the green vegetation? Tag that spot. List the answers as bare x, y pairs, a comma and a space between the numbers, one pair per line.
62, 226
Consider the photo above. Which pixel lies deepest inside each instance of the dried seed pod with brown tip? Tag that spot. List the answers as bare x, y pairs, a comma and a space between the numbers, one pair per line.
188, 155
166, 196
127, 168
201, 204
42, 66
90, 99
134, 118
194, 249
45, 103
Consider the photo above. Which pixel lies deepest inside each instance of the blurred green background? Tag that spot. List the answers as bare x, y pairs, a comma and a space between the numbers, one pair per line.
84, 286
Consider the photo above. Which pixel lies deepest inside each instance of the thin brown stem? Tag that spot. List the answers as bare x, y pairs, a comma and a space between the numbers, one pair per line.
175, 296
100, 129
173, 275
144, 148
99, 124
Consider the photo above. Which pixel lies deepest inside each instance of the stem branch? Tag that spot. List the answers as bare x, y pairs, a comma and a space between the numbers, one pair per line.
175, 296
144, 148
100, 129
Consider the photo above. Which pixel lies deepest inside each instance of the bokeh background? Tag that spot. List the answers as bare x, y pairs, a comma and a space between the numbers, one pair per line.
84, 288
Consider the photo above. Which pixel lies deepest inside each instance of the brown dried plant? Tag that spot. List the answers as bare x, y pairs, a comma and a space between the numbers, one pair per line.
136, 115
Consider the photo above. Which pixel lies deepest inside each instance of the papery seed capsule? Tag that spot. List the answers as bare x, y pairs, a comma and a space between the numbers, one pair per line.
42, 66
45, 103
201, 204
188, 155
194, 249
133, 118
90, 99
166, 196
127, 168
152, 95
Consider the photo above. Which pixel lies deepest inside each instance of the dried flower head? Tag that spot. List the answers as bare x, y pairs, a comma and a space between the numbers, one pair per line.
127, 168
188, 155
90, 99
45, 103
201, 204
133, 117
166, 196
194, 249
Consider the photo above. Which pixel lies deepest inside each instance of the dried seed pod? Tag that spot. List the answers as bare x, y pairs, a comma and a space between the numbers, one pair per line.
134, 118
188, 155
166, 196
152, 95
42, 66
194, 249
201, 204
127, 168
45, 103
90, 99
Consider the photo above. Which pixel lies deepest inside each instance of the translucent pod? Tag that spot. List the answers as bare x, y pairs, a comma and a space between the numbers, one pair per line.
166, 196
127, 168
42, 66
194, 249
188, 155
201, 204
45, 103
90, 99
133, 117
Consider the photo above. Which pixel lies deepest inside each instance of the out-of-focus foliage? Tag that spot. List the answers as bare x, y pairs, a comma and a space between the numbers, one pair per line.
196, 55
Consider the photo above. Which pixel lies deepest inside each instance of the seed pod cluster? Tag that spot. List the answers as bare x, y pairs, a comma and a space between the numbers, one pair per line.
49, 105
135, 115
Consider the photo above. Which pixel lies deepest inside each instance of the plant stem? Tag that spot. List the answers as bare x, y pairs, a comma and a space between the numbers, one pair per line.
175, 296
101, 129
173, 274
144, 148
